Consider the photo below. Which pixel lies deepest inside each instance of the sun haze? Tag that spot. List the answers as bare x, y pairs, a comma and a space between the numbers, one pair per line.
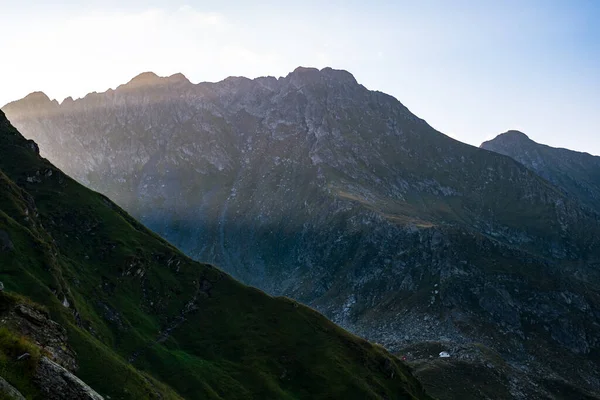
471, 69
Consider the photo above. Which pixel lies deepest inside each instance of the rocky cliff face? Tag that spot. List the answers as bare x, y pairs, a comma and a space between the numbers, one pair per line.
577, 174
312, 186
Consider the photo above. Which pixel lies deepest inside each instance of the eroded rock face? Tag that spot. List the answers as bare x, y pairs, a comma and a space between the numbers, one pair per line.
57, 383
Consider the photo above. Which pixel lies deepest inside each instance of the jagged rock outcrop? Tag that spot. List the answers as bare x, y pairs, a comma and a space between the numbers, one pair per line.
53, 372
313, 187
36, 325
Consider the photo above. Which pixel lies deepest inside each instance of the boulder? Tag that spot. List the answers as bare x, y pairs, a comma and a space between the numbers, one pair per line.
57, 383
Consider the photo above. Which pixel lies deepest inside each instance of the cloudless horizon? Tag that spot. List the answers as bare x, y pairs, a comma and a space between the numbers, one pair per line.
471, 69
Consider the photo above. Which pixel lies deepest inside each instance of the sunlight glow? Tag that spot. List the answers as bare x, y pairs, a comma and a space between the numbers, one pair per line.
471, 70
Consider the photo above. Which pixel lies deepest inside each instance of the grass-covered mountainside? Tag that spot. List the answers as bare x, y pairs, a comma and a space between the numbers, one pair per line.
314, 187
145, 321
578, 174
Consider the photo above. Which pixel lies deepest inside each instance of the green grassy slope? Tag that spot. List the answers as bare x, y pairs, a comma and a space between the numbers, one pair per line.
147, 322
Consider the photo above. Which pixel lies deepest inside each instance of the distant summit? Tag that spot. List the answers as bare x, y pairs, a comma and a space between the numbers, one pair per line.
145, 77
578, 174
35, 103
37, 97
514, 134
508, 138
151, 79
304, 75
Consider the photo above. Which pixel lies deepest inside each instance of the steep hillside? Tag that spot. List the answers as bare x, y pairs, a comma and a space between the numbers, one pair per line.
313, 187
578, 174
145, 321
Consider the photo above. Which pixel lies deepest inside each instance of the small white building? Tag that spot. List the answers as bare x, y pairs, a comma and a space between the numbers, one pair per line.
444, 354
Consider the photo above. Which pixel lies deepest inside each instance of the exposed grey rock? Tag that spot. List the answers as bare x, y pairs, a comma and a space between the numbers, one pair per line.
56, 383
8, 390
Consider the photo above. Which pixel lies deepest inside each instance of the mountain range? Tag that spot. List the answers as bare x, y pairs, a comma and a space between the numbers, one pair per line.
313, 187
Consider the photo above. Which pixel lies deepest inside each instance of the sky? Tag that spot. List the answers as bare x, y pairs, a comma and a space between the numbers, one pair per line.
472, 69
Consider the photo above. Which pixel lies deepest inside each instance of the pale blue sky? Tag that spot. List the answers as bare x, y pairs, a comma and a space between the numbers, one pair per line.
472, 69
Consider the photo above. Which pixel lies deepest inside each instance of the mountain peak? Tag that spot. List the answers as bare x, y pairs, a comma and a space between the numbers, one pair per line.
33, 103
37, 97
178, 77
305, 70
145, 77
340, 75
151, 79
304, 75
67, 100
312, 75
514, 134
511, 137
